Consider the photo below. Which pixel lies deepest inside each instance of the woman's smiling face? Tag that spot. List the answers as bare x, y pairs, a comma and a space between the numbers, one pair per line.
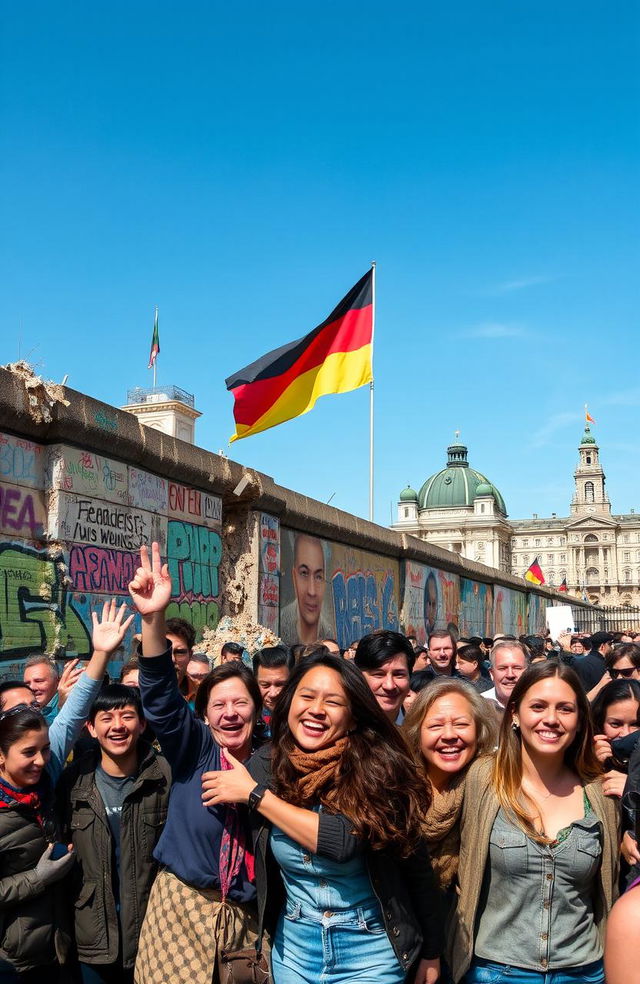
548, 717
320, 713
231, 716
448, 738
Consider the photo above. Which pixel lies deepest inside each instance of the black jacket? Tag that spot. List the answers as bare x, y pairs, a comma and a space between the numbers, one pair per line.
406, 888
32, 918
84, 821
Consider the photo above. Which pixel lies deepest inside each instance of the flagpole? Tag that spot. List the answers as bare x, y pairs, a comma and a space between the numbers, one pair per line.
156, 358
373, 328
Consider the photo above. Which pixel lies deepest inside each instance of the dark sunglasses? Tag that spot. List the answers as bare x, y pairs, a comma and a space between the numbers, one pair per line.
628, 673
34, 707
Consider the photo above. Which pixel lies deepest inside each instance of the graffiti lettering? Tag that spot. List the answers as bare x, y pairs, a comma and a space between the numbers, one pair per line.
20, 461
36, 609
105, 421
358, 610
95, 569
184, 500
18, 512
193, 555
201, 614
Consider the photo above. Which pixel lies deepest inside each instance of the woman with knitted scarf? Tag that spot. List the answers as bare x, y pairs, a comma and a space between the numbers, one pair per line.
344, 882
448, 726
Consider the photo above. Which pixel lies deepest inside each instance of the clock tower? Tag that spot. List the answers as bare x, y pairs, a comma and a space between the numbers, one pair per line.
589, 496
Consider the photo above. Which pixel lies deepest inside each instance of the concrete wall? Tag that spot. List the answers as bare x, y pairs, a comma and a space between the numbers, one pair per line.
82, 484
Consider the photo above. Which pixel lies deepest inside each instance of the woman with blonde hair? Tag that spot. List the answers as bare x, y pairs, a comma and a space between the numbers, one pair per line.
539, 844
447, 727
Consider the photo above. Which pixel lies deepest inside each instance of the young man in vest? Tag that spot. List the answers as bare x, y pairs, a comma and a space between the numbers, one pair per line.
113, 804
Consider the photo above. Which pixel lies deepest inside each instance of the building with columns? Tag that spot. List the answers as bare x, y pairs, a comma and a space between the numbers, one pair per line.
598, 552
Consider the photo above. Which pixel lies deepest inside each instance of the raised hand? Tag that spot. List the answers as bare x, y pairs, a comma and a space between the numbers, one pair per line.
109, 633
151, 585
68, 679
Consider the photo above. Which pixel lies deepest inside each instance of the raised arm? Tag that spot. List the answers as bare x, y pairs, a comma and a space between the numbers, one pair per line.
108, 634
179, 733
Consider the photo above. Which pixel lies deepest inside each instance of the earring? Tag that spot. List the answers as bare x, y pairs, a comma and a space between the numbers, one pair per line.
515, 726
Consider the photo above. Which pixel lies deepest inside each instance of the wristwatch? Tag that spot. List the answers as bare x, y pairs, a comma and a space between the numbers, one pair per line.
256, 795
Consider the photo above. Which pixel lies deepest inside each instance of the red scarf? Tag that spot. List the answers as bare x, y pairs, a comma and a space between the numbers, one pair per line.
10, 796
233, 846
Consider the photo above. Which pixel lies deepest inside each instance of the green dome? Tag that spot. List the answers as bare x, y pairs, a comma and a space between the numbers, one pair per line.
408, 495
587, 437
457, 484
485, 488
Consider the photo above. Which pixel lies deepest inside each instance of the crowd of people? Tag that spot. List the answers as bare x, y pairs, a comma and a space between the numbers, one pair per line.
464, 811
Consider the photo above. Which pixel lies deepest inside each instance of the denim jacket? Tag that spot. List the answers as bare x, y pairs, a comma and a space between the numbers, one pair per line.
405, 887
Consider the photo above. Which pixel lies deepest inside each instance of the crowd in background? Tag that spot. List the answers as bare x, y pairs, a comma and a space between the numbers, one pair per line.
463, 811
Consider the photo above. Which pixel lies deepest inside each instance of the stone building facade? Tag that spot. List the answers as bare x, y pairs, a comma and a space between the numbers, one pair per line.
598, 552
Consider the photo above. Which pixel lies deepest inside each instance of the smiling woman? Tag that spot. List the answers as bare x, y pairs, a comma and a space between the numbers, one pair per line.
341, 862
539, 843
203, 900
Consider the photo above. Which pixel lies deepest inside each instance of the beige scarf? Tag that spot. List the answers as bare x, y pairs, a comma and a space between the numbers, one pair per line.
442, 830
317, 772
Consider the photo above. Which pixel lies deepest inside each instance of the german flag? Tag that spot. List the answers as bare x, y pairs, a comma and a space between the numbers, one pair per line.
563, 586
333, 358
534, 574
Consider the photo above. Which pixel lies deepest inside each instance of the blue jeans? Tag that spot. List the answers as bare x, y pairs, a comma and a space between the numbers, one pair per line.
312, 947
487, 972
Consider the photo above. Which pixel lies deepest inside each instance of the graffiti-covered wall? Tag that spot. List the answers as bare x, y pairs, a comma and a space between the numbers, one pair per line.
331, 590
83, 484
71, 523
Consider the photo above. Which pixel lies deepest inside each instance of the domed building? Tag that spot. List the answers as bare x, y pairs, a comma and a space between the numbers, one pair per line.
595, 551
461, 510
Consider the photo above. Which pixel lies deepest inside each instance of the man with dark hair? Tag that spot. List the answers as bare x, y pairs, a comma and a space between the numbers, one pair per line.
591, 668
470, 666
386, 660
231, 652
182, 637
272, 667
112, 804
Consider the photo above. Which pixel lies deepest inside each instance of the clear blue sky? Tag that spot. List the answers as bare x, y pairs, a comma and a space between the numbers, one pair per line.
240, 165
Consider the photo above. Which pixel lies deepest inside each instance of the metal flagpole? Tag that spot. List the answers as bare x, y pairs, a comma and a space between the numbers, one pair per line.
373, 328
156, 356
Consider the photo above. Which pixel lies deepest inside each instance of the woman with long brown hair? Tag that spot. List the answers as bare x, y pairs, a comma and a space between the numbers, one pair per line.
539, 844
342, 870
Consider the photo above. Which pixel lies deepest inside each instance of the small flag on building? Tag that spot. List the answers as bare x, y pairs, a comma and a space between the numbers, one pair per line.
563, 586
335, 357
534, 574
588, 419
155, 343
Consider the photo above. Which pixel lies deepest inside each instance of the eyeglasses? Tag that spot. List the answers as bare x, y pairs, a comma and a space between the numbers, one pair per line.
179, 651
33, 706
627, 673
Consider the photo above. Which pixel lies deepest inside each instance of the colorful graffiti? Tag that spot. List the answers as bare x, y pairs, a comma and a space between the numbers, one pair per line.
269, 573
37, 611
21, 461
363, 595
193, 556
22, 512
509, 611
431, 600
476, 608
